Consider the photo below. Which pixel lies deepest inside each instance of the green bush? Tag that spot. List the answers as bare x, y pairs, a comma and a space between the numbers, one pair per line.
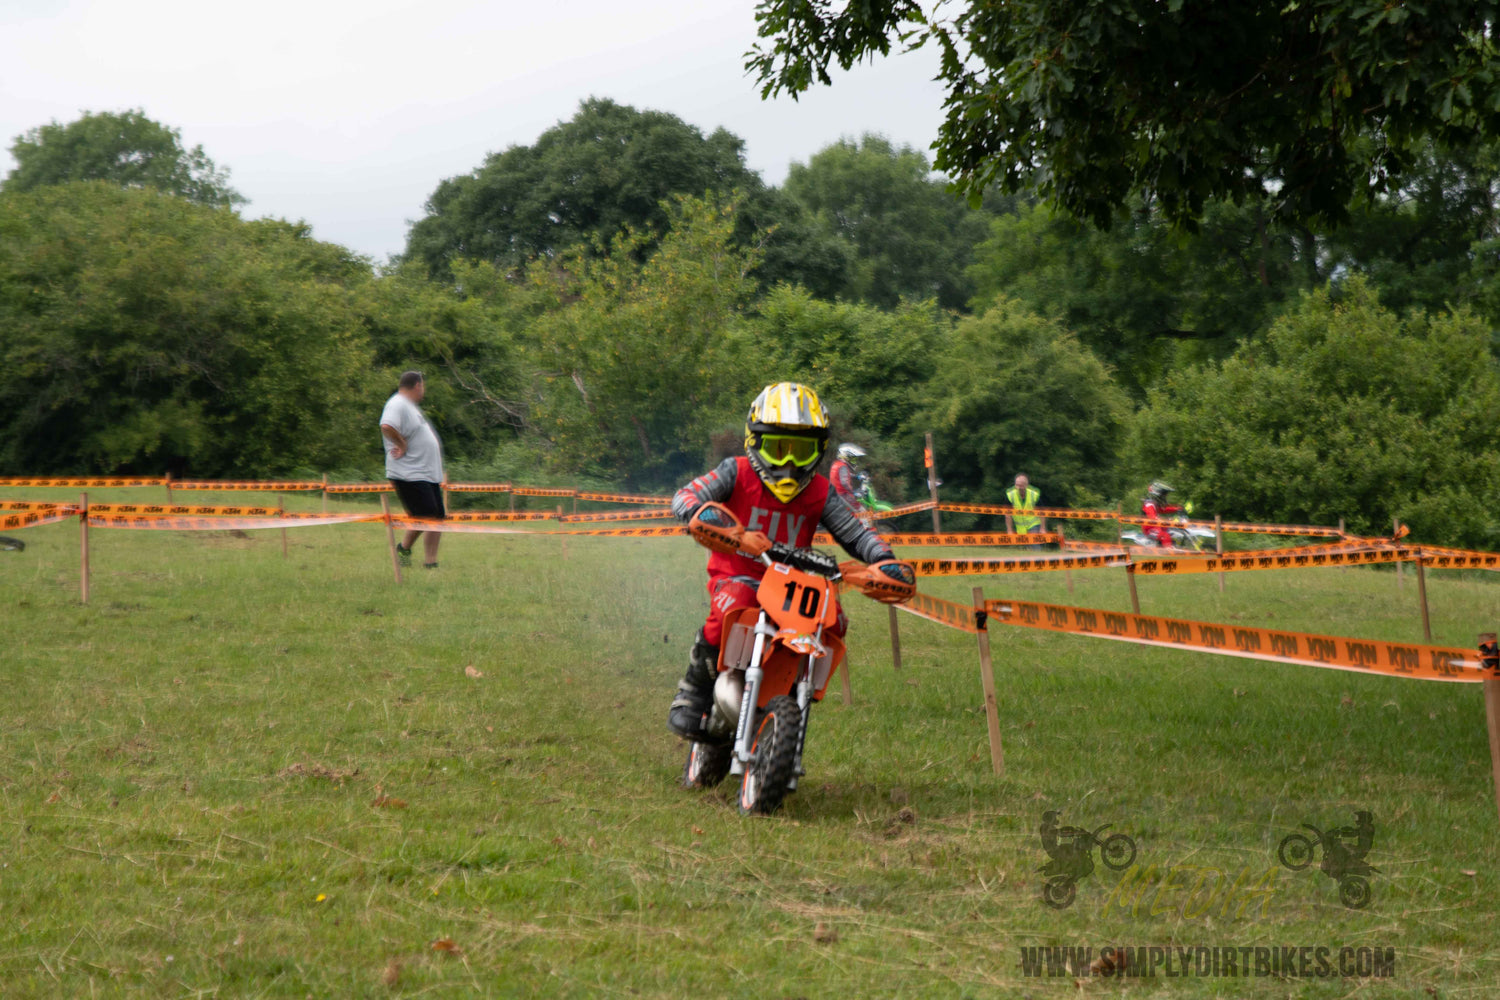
1344, 410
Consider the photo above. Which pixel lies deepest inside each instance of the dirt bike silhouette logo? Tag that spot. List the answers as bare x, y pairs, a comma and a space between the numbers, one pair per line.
1074, 860
1343, 862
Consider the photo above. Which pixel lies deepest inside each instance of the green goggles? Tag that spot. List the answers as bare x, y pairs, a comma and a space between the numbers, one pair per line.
778, 449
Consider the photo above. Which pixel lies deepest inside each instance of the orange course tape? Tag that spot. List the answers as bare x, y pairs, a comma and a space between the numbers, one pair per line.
1019, 564
950, 613
911, 508
1062, 513
34, 505
1433, 663
184, 510
34, 518
206, 484
1269, 559
994, 538
361, 488
477, 487
154, 522
1239, 527
625, 515
1441, 558
538, 491
937, 541
622, 498
80, 481
482, 516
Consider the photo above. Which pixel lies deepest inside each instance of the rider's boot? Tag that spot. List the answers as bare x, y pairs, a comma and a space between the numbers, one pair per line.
688, 716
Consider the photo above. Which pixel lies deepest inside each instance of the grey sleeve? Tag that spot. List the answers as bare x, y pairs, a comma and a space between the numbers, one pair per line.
711, 487
850, 532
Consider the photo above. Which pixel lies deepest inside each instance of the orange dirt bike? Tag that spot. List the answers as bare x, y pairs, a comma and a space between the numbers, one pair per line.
775, 660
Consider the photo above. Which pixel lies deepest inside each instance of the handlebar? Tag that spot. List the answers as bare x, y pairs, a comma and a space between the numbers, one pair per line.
807, 560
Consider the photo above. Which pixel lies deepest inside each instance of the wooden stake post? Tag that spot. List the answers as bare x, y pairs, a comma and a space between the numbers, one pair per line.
84, 547
281, 507
987, 679
1422, 597
1400, 569
895, 638
1219, 544
390, 532
1489, 655
932, 481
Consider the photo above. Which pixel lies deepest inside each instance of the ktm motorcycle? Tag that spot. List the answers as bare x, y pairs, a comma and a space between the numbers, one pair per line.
775, 661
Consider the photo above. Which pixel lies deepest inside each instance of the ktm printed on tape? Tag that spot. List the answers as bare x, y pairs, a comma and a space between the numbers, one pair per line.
1360, 655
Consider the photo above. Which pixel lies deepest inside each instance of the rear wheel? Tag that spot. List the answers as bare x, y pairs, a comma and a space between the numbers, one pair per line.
706, 765
767, 777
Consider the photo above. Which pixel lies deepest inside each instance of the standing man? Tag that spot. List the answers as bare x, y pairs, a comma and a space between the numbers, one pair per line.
413, 463
1023, 497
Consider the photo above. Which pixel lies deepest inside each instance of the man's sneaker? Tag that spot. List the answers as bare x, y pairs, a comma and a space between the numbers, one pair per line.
403, 554
429, 565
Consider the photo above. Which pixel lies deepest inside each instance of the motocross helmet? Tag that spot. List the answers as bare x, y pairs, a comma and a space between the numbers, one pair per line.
786, 435
848, 453
1158, 490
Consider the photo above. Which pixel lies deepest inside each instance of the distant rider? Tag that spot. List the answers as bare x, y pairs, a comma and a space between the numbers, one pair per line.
1155, 506
845, 475
777, 495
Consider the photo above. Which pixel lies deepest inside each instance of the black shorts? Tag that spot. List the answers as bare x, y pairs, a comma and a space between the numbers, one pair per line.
421, 499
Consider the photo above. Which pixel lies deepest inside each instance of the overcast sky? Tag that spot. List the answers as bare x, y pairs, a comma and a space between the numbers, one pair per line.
347, 115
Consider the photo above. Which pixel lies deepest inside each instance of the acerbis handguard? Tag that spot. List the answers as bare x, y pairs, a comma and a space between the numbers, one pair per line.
890, 581
716, 528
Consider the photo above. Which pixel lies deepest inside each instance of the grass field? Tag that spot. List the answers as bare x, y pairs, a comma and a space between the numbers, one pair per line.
238, 775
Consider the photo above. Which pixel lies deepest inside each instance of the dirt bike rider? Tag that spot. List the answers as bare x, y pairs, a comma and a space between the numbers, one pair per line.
776, 493
845, 475
1339, 858
1074, 859
1155, 506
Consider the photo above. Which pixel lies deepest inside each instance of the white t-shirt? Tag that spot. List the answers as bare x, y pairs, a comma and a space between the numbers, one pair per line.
423, 460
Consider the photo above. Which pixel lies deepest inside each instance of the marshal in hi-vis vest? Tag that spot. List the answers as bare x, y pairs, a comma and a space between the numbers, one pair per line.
1024, 523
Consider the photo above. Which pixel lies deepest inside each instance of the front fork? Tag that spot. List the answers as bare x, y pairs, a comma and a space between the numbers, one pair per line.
764, 630
753, 674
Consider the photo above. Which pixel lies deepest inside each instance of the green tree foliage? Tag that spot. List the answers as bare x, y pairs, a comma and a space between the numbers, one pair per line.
868, 365
908, 236
1344, 410
608, 168
1421, 245
1314, 104
1146, 298
639, 363
124, 148
1016, 392
467, 337
143, 332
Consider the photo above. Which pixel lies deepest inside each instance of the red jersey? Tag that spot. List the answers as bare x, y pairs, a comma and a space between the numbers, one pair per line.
758, 509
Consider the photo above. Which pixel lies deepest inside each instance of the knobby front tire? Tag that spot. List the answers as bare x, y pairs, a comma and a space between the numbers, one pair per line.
766, 779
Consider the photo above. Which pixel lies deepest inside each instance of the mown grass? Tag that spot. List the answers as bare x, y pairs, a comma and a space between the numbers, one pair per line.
234, 774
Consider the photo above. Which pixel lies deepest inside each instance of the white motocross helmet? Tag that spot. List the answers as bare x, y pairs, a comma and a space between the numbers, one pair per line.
849, 452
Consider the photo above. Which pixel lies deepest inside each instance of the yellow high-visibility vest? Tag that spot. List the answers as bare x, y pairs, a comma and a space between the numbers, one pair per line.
1024, 523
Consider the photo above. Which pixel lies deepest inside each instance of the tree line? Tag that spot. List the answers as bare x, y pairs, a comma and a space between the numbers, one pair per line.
600, 306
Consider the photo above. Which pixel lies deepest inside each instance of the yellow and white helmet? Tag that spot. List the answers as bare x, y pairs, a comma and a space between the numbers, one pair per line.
786, 435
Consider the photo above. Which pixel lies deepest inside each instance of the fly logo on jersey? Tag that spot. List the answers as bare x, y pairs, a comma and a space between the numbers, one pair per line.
778, 526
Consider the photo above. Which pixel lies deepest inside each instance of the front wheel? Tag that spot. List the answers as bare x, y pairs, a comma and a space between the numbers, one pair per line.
774, 748
1117, 851
1295, 851
706, 765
